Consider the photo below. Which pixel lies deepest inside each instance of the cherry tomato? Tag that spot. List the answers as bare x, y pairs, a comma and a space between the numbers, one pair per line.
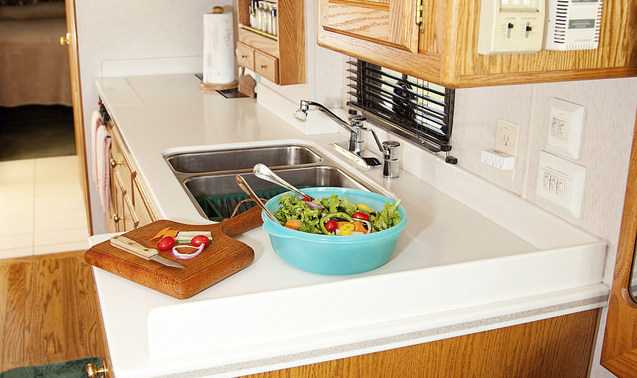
165, 243
306, 199
360, 215
199, 240
331, 226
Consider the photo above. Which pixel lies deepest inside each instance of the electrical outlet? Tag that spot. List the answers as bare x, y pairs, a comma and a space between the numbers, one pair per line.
560, 183
506, 137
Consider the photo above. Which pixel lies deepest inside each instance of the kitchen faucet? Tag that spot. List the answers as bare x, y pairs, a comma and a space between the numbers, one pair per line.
356, 145
355, 125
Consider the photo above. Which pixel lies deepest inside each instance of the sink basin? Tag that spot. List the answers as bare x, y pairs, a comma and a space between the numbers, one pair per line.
218, 195
208, 177
242, 159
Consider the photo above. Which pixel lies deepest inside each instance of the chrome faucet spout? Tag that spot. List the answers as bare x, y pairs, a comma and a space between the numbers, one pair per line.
304, 106
355, 126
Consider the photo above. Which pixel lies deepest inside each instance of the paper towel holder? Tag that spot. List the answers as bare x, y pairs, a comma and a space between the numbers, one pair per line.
215, 86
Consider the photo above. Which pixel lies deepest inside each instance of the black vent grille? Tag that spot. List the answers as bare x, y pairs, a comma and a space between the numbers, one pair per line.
414, 108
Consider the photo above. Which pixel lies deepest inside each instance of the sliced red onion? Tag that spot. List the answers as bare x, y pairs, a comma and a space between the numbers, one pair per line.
187, 255
315, 206
369, 225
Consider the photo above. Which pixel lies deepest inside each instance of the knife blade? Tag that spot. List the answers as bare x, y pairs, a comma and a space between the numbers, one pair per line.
131, 246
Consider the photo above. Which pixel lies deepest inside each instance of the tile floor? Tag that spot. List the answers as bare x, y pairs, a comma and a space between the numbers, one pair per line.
41, 207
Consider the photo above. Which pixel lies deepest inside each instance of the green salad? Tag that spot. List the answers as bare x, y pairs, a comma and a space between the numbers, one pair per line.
334, 216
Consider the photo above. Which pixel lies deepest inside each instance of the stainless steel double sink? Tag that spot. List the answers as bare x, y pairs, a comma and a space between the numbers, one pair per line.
208, 177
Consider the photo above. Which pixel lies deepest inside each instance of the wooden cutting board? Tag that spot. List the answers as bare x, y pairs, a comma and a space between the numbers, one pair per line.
220, 259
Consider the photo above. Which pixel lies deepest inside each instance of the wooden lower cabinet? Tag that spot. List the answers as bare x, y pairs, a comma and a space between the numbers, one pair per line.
559, 347
129, 206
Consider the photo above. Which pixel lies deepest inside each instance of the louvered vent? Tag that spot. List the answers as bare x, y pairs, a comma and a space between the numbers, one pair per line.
573, 24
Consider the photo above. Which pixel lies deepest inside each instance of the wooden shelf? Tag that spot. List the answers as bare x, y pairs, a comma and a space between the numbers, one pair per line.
281, 58
259, 32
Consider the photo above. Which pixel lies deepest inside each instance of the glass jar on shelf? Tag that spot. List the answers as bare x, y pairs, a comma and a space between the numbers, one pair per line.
268, 18
262, 16
275, 21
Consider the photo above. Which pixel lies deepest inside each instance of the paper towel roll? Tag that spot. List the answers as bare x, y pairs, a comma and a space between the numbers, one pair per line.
218, 48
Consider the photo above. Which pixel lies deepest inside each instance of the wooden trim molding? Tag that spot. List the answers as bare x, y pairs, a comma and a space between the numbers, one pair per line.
619, 353
558, 347
78, 114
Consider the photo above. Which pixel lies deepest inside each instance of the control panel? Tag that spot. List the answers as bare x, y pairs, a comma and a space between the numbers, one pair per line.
511, 26
573, 24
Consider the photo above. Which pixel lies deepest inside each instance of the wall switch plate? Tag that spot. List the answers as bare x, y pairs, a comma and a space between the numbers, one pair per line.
560, 183
566, 127
506, 137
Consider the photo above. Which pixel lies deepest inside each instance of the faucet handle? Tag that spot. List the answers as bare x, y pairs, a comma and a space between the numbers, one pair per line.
357, 120
391, 153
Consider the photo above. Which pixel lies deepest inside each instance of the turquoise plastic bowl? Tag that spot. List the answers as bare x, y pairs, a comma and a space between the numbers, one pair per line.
329, 254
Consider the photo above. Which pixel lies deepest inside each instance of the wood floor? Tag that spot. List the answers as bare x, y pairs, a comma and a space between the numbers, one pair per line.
49, 311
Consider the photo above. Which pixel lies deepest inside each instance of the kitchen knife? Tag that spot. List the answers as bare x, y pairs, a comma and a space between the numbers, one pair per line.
131, 246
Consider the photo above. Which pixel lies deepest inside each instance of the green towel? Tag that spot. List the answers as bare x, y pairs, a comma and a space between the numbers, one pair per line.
64, 369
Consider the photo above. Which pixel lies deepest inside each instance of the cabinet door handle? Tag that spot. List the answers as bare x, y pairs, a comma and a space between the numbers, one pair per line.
263, 66
116, 218
114, 163
244, 57
65, 39
92, 371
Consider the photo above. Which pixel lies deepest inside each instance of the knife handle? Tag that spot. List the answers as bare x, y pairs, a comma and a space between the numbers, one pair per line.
129, 245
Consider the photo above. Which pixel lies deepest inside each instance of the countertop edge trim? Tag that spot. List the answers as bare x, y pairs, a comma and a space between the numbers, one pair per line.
402, 339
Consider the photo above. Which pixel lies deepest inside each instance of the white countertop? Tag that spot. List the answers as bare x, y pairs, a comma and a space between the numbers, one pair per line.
473, 257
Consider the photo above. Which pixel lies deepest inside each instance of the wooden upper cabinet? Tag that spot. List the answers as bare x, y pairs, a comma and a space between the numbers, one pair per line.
443, 49
385, 22
280, 58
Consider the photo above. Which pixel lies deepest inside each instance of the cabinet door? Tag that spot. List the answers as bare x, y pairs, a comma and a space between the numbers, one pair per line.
131, 221
142, 205
117, 200
388, 22
619, 354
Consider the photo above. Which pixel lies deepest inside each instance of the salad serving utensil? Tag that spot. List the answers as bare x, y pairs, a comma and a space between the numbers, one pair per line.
263, 172
243, 184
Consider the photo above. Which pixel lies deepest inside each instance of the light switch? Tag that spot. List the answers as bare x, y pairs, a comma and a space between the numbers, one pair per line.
566, 127
560, 183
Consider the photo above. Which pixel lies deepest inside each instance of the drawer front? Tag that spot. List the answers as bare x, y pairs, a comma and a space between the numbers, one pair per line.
245, 56
266, 66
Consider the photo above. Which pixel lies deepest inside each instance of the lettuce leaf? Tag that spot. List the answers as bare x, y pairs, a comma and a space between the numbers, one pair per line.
387, 217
